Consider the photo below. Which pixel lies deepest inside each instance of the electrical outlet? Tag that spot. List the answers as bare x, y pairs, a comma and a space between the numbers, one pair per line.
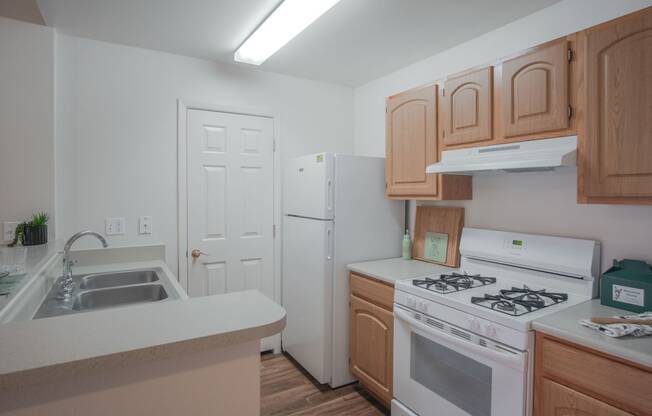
9, 230
145, 224
114, 226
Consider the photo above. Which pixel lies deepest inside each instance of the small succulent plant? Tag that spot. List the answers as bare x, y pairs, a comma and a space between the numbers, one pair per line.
40, 218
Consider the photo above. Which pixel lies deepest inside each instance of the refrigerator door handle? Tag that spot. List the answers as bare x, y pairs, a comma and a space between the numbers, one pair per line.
329, 253
329, 196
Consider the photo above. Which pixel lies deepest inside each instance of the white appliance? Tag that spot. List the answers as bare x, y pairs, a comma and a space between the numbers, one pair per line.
335, 214
463, 343
532, 155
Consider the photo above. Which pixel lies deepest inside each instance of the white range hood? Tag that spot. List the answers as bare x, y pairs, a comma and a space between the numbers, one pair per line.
533, 155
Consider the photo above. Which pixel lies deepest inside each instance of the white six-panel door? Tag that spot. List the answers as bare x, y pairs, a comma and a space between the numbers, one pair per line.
230, 182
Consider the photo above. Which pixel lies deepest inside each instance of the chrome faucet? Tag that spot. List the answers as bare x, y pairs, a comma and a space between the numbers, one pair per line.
66, 284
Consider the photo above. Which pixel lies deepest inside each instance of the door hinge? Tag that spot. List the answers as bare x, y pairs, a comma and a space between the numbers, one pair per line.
274, 145
569, 111
443, 92
443, 133
186, 253
274, 231
570, 54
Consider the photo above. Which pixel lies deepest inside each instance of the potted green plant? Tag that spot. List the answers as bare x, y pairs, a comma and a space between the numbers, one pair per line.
35, 231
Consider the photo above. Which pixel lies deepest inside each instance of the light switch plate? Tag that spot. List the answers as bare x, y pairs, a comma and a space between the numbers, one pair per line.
114, 226
145, 224
9, 230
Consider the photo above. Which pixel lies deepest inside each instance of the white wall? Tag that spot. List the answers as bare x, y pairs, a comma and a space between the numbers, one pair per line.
26, 120
117, 128
539, 203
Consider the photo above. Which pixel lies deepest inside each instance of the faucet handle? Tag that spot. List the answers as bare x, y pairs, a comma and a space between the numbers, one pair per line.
65, 281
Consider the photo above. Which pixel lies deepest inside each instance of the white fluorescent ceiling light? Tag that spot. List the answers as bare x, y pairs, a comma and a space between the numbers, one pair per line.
288, 20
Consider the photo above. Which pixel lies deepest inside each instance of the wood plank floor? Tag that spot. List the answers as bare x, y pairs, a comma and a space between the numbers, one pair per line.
287, 390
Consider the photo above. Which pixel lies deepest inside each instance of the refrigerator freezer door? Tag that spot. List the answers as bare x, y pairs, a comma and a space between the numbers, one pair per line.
307, 293
308, 186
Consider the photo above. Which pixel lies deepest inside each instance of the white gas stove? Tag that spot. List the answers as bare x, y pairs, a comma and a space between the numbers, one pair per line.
463, 343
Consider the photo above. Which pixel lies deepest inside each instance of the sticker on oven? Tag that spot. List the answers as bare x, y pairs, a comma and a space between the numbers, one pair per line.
626, 294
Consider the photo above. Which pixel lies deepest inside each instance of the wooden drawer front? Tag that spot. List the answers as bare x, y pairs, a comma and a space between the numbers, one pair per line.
372, 338
560, 400
611, 381
382, 294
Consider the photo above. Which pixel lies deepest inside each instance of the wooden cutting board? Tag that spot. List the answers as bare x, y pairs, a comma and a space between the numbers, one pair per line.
442, 225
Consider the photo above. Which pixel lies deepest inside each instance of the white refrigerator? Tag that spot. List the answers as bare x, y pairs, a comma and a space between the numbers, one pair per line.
335, 213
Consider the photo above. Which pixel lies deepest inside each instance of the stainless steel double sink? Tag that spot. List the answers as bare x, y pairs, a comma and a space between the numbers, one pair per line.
106, 290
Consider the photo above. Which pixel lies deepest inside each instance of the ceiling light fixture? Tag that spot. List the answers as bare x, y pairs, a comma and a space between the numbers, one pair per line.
288, 20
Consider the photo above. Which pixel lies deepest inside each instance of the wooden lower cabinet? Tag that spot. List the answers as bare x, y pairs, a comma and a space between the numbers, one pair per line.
572, 380
371, 336
560, 400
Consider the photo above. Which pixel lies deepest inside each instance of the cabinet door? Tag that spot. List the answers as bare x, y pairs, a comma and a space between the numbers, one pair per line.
411, 142
467, 108
618, 142
371, 343
563, 401
535, 91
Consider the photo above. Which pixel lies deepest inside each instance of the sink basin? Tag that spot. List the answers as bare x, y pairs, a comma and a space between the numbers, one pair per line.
118, 296
104, 280
107, 290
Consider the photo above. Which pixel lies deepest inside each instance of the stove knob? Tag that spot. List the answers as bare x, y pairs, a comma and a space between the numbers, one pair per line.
490, 331
411, 302
424, 307
475, 325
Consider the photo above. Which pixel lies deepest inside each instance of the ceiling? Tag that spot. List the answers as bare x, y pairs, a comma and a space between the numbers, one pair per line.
25, 10
353, 43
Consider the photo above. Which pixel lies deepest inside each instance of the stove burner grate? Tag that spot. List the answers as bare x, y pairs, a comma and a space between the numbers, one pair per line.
453, 282
519, 301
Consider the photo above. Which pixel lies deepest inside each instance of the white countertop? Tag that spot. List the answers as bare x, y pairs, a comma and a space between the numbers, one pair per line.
391, 270
33, 351
69, 345
565, 325
37, 257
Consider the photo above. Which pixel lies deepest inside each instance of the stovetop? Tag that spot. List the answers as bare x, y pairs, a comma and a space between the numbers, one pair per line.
512, 300
453, 282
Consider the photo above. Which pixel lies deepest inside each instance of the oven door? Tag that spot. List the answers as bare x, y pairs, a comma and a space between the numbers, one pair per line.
440, 369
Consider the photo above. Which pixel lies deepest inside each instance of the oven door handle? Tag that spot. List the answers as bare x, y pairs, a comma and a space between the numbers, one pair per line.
513, 360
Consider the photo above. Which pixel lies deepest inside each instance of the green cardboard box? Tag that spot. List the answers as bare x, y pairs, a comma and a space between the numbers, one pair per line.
627, 285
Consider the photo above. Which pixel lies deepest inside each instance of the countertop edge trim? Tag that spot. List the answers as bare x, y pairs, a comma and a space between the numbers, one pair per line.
88, 366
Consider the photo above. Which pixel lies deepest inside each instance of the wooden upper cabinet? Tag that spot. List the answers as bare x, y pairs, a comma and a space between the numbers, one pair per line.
617, 149
411, 134
535, 94
467, 108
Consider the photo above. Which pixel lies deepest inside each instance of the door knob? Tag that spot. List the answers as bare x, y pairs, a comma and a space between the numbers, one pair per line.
196, 253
